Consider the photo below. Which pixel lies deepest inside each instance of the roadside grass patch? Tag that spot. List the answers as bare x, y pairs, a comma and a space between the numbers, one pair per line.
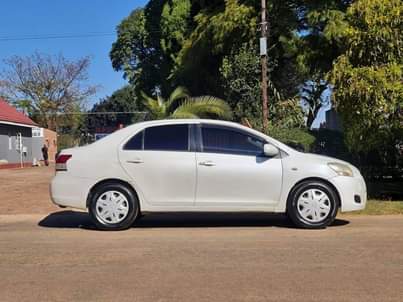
381, 207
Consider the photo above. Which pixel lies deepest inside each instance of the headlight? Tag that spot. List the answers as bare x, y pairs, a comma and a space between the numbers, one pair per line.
341, 169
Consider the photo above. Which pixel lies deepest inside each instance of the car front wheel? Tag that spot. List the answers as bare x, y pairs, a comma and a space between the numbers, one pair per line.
113, 206
312, 205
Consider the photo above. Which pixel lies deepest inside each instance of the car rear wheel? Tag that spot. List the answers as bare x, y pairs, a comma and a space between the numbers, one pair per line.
113, 206
312, 205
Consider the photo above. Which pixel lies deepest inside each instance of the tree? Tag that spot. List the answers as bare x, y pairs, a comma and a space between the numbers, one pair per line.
240, 72
179, 104
148, 42
49, 85
123, 100
183, 43
367, 76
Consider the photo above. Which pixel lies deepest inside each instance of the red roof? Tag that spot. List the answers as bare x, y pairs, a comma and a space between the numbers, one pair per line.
9, 114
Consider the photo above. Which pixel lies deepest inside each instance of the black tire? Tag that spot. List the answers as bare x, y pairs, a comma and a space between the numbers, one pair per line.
132, 201
294, 213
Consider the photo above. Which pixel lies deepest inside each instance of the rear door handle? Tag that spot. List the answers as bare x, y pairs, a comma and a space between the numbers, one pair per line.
208, 163
135, 161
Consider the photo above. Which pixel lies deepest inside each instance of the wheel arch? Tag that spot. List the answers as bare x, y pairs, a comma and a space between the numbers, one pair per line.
323, 180
113, 181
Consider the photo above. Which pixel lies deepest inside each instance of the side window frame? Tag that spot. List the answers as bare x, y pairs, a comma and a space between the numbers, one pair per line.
200, 147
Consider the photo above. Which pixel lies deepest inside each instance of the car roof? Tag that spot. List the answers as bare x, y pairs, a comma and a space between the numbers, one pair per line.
132, 129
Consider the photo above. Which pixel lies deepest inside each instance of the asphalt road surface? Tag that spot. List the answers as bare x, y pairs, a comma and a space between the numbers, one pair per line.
200, 257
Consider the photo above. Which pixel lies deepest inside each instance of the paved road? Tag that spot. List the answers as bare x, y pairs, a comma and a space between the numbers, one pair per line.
200, 257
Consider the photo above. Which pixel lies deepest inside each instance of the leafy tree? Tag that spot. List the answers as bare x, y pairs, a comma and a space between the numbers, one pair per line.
367, 76
49, 86
297, 138
182, 42
124, 101
147, 44
180, 105
240, 73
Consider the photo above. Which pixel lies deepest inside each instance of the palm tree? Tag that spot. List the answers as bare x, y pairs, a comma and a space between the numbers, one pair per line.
181, 105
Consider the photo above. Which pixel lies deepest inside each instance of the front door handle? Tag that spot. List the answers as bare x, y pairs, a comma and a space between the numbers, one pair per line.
135, 161
208, 163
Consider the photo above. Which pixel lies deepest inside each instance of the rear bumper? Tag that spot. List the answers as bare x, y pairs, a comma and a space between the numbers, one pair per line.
353, 192
69, 191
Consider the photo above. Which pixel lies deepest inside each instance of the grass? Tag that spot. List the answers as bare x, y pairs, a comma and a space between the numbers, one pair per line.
381, 207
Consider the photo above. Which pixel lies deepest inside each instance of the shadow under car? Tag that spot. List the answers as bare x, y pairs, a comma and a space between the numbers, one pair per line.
75, 219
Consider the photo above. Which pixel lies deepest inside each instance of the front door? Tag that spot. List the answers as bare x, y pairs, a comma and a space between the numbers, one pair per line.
232, 170
161, 164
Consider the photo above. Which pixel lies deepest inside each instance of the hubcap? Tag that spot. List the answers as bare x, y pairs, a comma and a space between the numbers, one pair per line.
314, 205
112, 207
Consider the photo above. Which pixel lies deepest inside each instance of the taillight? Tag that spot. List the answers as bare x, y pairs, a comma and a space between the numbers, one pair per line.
61, 162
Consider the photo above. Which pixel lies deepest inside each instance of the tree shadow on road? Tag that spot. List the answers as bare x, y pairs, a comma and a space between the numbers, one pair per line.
72, 219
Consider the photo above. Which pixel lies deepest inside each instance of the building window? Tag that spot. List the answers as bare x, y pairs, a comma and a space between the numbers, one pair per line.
10, 142
37, 132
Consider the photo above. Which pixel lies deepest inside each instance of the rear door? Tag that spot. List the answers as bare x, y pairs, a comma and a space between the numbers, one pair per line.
232, 170
162, 165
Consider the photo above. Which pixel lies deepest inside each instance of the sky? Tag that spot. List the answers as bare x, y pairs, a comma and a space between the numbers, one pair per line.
67, 17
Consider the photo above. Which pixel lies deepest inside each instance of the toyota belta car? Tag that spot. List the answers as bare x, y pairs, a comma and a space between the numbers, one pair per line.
202, 165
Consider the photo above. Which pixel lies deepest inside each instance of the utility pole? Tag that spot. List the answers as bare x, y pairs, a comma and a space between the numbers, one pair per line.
263, 54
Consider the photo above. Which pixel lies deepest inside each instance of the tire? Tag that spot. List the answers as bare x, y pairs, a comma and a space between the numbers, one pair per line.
312, 205
113, 207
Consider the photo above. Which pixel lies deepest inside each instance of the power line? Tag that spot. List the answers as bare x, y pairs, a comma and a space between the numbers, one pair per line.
55, 36
94, 113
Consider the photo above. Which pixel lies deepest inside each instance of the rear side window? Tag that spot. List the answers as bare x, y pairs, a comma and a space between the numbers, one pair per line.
223, 140
167, 138
135, 143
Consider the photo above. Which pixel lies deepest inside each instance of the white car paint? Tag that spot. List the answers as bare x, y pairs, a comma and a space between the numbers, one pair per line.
181, 181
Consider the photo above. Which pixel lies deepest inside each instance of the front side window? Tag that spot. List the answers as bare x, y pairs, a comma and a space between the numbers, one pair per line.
224, 140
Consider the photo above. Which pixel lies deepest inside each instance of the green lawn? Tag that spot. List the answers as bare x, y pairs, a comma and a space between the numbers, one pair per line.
381, 207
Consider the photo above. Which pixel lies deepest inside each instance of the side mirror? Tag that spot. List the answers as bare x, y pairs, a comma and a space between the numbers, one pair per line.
270, 151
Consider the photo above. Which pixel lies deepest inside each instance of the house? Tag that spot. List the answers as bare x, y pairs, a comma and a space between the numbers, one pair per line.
15, 137
40, 137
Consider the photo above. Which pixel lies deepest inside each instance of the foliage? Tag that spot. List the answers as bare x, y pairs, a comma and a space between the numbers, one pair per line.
180, 105
367, 76
297, 138
148, 42
183, 43
217, 28
123, 100
240, 73
49, 86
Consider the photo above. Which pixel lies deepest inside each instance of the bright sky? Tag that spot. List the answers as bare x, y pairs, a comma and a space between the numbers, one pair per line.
21, 18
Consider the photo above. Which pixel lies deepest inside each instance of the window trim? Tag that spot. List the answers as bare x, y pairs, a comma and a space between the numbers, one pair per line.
223, 127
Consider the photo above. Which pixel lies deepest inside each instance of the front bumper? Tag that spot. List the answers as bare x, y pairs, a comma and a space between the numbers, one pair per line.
353, 192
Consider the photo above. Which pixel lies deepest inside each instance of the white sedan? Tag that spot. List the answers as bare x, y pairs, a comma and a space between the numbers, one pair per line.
202, 165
